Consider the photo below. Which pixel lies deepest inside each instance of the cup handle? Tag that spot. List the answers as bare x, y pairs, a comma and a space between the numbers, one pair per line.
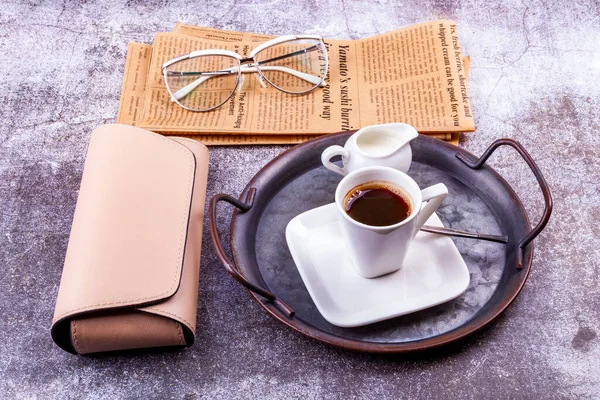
331, 152
433, 196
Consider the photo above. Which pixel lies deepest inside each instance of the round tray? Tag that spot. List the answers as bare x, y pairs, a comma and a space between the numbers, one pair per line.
479, 200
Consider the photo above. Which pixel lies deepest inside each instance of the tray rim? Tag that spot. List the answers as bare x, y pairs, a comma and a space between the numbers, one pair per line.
461, 332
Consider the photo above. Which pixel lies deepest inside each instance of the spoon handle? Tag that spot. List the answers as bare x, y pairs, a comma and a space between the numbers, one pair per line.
456, 232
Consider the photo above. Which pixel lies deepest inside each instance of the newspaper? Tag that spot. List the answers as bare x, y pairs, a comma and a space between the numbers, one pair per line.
132, 104
428, 90
133, 88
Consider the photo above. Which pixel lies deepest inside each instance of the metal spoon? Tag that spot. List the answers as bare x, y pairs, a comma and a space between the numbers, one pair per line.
458, 233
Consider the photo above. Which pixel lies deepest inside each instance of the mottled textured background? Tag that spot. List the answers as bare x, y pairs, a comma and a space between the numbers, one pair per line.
534, 77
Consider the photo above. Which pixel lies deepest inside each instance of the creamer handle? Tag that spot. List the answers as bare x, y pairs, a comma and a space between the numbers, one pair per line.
331, 152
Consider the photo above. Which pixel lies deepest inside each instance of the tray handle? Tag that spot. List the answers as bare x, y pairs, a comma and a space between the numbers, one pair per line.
538, 175
227, 263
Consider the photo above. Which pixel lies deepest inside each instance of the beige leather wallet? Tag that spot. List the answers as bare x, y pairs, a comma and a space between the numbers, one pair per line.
130, 278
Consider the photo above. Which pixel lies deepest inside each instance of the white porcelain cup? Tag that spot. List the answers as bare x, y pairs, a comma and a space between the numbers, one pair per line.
379, 250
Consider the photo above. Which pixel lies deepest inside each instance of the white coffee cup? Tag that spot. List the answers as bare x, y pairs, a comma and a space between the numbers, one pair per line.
379, 250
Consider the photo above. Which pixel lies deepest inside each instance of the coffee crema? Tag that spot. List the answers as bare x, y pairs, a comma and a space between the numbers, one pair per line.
378, 203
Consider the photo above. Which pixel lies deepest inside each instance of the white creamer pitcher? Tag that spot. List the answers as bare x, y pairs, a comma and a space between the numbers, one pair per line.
385, 145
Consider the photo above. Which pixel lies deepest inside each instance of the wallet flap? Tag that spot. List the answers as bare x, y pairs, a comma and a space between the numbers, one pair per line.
182, 305
129, 230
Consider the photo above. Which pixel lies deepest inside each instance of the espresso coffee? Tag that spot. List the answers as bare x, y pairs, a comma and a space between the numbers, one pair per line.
377, 203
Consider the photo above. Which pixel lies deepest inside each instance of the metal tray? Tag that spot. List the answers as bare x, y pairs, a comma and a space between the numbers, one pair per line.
479, 200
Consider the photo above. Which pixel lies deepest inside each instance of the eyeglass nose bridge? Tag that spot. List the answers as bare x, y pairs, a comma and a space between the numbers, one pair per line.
250, 62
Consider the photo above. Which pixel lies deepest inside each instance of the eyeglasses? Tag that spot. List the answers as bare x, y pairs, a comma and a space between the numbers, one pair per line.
206, 79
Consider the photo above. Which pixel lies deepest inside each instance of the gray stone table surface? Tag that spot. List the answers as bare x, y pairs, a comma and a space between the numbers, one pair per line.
534, 77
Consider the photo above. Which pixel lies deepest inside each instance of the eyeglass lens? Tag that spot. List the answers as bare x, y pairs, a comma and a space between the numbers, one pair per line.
306, 56
204, 82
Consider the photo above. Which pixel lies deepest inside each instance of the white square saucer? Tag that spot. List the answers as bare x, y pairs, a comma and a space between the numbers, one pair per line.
434, 272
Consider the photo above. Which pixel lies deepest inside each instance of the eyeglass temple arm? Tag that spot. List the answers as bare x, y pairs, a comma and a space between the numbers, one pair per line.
295, 53
184, 91
224, 71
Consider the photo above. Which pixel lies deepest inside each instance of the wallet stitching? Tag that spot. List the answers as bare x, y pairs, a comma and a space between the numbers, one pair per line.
75, 341
174, 315
187, 210
179, 333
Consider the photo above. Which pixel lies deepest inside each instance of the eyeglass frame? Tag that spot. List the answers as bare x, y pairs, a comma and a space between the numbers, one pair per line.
254, 64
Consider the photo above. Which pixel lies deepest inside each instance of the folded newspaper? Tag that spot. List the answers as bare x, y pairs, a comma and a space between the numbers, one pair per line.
415, 75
